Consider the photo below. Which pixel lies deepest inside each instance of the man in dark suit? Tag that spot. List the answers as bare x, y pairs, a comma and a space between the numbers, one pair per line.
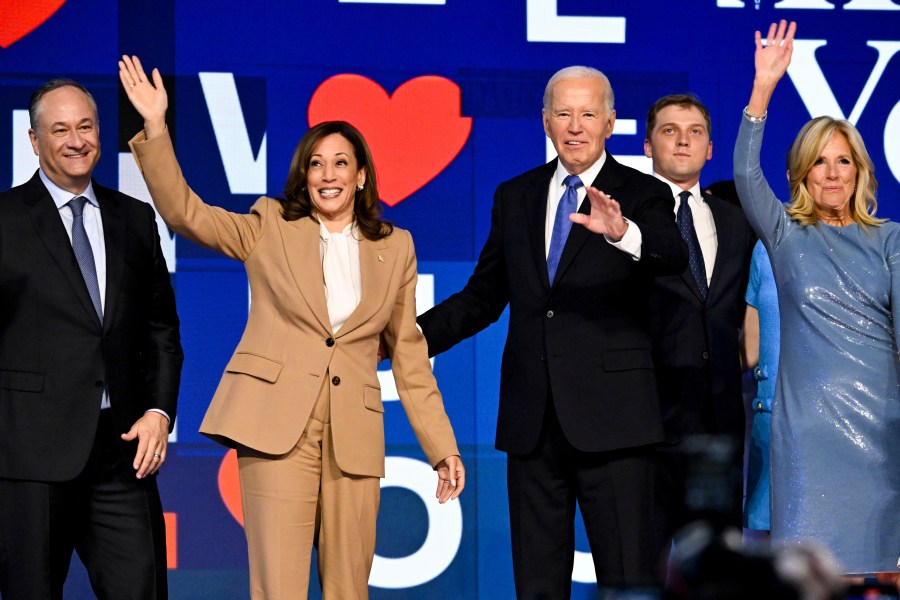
579, 412
697, 314
90, 363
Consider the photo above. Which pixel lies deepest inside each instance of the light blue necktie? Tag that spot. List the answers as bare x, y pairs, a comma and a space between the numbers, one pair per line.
83, 253
685, 218
561, 223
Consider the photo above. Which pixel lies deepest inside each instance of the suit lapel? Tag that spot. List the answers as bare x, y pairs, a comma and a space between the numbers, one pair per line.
726, 241
114, 234
535, 208
301, 244
48, 224
377, 262
607, 181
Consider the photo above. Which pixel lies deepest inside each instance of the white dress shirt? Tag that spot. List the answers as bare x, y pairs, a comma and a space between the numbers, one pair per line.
340, 265
93, 226
704, 224
630, 242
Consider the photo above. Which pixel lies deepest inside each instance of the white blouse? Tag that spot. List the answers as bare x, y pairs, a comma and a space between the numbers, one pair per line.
340, 264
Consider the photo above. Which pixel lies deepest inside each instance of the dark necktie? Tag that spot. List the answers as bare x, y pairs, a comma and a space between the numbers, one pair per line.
83, 253
561, 223
685, 220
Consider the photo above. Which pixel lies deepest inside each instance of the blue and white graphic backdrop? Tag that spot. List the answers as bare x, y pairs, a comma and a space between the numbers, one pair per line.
448, 93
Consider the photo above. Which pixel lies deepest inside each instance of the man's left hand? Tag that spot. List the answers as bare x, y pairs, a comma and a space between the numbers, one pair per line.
605, 217
152, 434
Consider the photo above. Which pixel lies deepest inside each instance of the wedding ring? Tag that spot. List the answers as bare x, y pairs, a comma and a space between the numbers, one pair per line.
157, 456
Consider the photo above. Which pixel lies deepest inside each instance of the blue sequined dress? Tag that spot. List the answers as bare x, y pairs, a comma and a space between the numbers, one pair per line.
835, 473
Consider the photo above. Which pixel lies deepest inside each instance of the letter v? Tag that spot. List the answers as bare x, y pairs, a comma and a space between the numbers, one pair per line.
246, 174
813, 88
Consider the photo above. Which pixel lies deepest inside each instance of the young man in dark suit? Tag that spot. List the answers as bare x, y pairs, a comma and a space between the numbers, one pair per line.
579, 414
697, 314
90, 363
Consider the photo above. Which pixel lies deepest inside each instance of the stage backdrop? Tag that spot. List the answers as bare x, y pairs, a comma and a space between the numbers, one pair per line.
448, 93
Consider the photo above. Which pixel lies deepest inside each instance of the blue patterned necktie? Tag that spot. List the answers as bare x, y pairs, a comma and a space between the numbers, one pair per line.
561, 223
685, 220
83, 253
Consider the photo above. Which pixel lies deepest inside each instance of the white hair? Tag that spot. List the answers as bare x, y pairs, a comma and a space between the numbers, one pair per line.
579, 72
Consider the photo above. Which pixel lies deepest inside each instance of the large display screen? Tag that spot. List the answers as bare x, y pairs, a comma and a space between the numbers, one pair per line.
448, 94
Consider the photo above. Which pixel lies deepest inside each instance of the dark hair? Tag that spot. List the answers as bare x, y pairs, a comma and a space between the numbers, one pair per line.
367, 210
682, 100
55, 84
725, 189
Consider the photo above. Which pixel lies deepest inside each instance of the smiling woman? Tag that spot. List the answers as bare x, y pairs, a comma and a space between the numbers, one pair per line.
300, 399
836, 410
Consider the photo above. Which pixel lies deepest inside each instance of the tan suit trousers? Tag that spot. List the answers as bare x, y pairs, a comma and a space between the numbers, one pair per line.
300, 498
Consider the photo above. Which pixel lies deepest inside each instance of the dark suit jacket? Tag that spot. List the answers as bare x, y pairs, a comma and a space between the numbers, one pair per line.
695, 343
586, 339
55, 356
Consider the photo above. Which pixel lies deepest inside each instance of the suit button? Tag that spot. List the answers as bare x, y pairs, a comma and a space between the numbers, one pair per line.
336, 380
705, 355
549, 314
329, 342
98, 384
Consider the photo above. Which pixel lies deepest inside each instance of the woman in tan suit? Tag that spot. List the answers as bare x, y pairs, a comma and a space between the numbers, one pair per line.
300, 399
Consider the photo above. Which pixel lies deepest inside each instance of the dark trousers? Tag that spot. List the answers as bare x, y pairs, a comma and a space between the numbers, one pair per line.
614, 491
700, 479
112, 519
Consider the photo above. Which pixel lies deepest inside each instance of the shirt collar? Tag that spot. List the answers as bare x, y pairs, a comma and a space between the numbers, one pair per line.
350, 230
61, 197
676, 189
587, 177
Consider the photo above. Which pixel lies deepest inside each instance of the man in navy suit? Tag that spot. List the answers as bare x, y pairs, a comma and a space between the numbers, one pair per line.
579, 412
90, 363
697, 314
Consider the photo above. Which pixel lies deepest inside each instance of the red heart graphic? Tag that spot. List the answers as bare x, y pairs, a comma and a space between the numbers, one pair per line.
18, 19
413, 134
230, 486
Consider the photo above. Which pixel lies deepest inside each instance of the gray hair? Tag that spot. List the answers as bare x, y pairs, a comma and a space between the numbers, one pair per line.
579, 72
34, 103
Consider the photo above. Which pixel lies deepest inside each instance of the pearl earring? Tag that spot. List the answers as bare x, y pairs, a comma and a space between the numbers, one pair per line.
359, 188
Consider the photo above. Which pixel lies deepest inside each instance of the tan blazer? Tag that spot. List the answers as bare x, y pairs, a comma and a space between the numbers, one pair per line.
288, 352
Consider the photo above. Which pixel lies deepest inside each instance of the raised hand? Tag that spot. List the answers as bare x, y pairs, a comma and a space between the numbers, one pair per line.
605, 217
148, 98
771, 60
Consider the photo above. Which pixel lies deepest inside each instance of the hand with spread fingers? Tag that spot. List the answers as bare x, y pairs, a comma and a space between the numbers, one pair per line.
451, 479
148, 98
605, 217
772, 61
152, 433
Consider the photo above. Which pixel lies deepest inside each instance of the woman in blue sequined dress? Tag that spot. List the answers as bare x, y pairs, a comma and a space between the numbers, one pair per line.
835, 474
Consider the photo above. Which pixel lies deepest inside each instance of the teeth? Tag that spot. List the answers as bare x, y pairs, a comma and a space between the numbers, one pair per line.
330, 193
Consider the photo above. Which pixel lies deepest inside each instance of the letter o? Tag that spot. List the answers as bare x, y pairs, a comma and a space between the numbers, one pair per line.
892, 141
444, 529
583, 568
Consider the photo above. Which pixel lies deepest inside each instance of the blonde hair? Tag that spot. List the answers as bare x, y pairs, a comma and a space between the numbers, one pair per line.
804, 153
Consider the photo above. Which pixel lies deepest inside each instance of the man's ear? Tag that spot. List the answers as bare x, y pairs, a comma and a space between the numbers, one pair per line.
34, 145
